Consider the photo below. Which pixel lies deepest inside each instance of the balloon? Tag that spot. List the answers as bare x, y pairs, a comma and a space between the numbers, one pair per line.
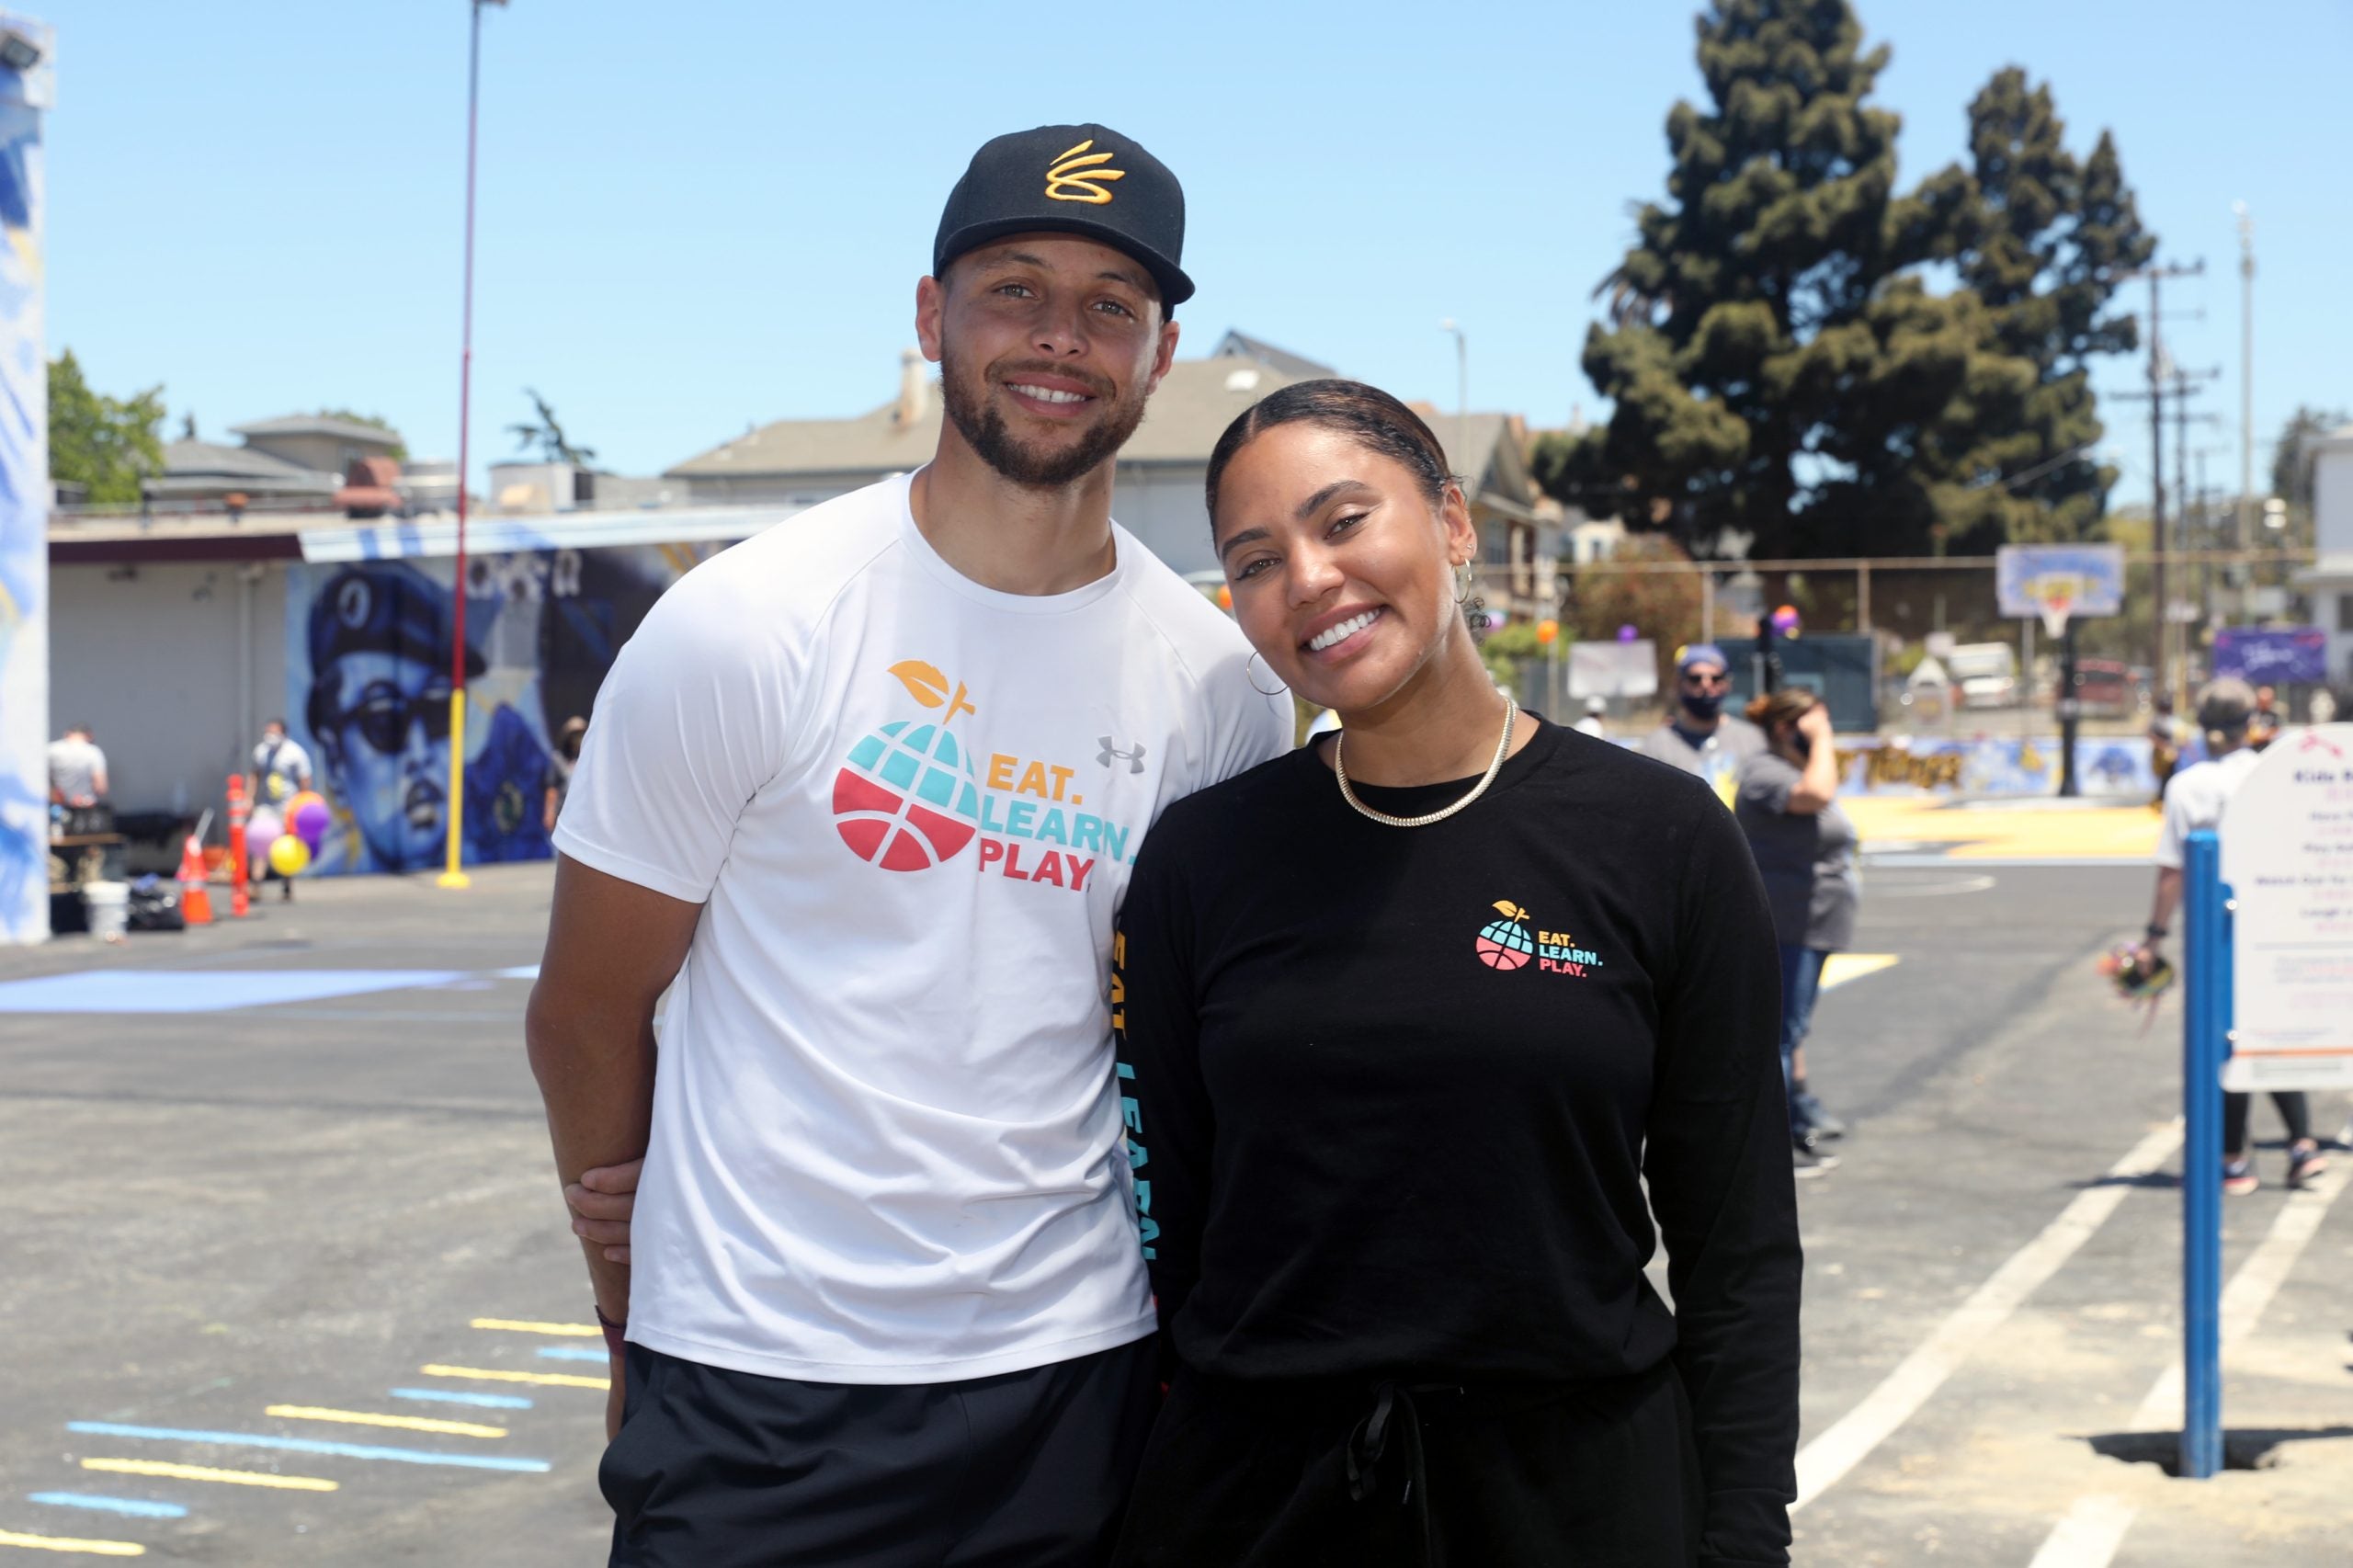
289, 855
295, 807
262, 832
311, 819
1627, 633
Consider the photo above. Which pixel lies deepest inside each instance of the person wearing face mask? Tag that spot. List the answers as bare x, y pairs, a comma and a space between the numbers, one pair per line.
1698, 736
1408, 1020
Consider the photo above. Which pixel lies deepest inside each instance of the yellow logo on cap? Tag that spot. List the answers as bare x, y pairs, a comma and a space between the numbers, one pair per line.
1066, 182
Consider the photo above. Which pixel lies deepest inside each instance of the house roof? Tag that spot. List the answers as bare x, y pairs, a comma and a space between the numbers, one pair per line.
1297, 366
1188, 413
202, 465
318, 425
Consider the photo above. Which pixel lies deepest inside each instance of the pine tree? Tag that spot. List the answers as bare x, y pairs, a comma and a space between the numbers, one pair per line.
1779, 369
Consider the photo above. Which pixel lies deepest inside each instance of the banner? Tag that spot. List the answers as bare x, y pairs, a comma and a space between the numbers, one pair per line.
368, 691
24, 496
2116, 767
2272, 656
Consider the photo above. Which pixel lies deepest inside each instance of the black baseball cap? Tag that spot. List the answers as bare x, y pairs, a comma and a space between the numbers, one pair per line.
1076, 179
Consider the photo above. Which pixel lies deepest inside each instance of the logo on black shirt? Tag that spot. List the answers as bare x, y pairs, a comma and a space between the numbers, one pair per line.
1507, 944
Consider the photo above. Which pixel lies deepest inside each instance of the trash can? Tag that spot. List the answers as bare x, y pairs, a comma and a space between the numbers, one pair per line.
109, 907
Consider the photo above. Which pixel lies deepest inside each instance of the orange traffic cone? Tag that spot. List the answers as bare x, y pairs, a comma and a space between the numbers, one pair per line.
196, 900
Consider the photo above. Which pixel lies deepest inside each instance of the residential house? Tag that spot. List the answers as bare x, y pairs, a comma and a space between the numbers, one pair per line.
1158, 487
297, 462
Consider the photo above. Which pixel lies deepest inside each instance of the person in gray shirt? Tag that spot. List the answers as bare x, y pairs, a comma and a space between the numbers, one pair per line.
1698, 736
1804, 848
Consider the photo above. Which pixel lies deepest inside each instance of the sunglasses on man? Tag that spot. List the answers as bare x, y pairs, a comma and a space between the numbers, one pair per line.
383, 717
1702, 680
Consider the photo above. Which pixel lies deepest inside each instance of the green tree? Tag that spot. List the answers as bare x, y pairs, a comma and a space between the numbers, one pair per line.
2045, 242
106, 445
1777, 364
2291, 466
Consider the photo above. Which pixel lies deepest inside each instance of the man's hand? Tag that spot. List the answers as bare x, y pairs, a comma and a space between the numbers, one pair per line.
601, 1202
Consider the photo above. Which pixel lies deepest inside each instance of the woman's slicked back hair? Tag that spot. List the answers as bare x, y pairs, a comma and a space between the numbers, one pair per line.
1364, 414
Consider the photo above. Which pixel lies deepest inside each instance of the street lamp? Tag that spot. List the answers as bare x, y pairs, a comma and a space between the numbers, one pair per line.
452, 876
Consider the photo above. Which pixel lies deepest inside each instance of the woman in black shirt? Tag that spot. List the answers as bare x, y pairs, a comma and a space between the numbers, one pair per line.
1408, 1020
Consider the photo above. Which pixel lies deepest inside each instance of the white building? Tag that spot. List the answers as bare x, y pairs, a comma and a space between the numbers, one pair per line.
2330, 579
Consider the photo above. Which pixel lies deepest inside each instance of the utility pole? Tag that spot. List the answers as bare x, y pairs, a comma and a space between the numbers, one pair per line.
2160, 366
2245, 578
2185, 387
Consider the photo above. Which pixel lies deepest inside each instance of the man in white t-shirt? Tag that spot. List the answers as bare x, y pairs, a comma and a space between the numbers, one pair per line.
862, 794
2195, 798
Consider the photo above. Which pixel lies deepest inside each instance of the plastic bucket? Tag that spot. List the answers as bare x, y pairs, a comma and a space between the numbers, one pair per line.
109, 907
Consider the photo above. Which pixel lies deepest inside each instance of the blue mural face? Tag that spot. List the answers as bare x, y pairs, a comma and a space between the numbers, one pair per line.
385, 740
369, 668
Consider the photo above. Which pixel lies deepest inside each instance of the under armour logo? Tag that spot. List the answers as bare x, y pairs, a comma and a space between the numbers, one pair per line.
1073, 177
1135, 758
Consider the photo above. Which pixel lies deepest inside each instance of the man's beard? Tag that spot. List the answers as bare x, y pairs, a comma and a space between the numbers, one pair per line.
983, 427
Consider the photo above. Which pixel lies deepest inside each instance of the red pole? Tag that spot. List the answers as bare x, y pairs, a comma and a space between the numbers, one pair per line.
451, 875
238, 902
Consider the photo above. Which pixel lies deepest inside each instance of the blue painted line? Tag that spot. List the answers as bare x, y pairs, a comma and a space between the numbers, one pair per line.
203, 991
444, 1396
574, 1353
135, 1507
308, 1446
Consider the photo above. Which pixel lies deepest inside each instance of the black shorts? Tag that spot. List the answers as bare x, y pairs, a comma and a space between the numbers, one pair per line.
718, 1469
1601, 1474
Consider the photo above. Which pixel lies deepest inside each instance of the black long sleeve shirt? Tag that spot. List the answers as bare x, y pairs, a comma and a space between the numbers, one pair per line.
1392, 1095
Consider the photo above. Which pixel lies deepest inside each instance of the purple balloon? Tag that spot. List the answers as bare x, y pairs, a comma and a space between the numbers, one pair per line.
1627, 634
311, 823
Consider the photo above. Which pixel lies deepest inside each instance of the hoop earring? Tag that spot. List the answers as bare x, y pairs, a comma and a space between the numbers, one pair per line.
1248, 669
1464, 580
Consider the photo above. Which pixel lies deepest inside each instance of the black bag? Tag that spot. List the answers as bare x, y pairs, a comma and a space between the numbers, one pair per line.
154, 906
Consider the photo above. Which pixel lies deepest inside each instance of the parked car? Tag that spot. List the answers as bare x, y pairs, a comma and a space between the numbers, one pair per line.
2106, 688
1985, 675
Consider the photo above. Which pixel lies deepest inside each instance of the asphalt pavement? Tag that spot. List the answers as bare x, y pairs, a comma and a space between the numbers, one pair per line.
303, 1190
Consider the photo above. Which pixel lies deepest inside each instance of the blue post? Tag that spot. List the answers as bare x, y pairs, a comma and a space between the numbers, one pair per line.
2206, 1023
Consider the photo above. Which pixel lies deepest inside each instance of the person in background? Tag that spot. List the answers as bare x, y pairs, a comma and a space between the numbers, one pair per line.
560, 766
1595, 710
1805, 848
1698, 736
281, 768
77, 781
2168, 734
2263, 725
2324, 706
2195, 800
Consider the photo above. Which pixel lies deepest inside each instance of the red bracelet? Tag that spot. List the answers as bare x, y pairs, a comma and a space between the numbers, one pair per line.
613, 1341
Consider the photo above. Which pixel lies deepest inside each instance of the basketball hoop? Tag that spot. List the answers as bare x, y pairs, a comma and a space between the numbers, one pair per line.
2053, 596
2055, 615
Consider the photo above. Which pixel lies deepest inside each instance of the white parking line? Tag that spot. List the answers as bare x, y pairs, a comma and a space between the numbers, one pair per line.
2092, 1531
1915, 1380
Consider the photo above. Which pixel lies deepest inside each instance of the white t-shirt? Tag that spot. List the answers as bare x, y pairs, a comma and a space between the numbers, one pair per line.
2195, 797
74, 768
887, 1140
282, 769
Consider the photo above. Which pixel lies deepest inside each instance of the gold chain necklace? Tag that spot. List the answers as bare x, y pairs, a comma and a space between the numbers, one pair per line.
1340, 769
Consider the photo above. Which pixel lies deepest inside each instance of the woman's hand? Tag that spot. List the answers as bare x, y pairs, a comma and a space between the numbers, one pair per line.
1814, 724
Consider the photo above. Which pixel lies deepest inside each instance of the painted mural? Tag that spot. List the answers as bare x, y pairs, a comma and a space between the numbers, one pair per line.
24, 502
2112, 767
368, 673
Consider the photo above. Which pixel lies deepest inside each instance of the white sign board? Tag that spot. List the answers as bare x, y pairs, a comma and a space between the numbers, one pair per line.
1613, 669
2288, 856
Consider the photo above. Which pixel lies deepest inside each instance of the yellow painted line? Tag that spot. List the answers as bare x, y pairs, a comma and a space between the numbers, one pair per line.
67, 1543
371, 1418
513, 1325
1841, 968
204, 1472
492, 1374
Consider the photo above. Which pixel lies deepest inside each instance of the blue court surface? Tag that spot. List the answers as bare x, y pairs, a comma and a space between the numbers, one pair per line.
203, 991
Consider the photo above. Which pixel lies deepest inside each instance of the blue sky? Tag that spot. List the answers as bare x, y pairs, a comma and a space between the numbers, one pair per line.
712, 216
